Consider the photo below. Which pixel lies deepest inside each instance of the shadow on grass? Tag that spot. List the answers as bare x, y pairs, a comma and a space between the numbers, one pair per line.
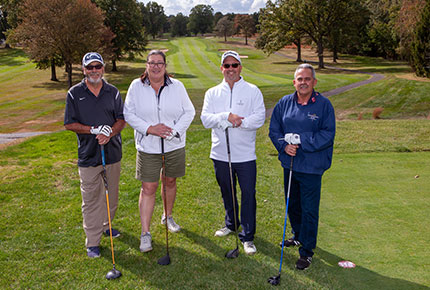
358, 277
183, 76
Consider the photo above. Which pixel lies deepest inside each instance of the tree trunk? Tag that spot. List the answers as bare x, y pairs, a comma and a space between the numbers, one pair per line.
320, 53
114, 65
298, 43
53, 72
246, 39
225, 37
7, 45
69, 74
335, 54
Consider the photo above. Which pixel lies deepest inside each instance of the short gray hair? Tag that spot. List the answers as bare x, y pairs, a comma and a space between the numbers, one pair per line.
303, 66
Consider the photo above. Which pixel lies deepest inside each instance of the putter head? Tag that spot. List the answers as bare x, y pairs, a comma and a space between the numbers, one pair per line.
274, 280
232, 254
164, 260
113, 274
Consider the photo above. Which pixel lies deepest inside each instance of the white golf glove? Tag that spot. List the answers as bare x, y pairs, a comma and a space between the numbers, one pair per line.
292, 139
172, 135
102, 129
224, 124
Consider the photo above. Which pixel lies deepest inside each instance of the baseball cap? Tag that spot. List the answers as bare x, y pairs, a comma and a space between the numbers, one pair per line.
230, 53
90, 57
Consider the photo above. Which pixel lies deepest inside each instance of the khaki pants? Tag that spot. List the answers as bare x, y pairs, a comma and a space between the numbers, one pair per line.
94, 208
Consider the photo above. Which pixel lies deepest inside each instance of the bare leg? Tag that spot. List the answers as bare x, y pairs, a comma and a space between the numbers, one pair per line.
146, 204
170, 193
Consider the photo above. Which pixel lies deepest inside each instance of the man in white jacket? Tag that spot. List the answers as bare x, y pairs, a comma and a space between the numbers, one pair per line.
239, 106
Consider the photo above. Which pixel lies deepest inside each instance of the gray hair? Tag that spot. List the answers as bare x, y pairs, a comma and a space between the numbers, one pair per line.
303, 66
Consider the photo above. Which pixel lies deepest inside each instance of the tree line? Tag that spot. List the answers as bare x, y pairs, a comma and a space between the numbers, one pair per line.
392, 29
57, 33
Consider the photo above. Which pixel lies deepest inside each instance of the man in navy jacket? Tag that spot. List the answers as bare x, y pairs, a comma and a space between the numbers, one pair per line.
309, 117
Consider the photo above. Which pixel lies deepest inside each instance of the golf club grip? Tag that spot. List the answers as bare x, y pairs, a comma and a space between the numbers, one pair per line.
102, 149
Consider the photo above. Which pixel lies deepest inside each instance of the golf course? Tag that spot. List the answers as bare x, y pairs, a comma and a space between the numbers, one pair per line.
375, 198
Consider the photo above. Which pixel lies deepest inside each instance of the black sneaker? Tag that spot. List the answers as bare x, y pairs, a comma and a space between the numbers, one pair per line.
290, 243
303, 263
115, 233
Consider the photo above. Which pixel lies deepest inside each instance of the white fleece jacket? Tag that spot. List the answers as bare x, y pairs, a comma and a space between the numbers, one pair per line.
245, 100
143, 109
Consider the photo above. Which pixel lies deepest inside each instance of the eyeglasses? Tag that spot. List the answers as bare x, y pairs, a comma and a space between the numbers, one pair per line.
156, 64
97, 66
233, 65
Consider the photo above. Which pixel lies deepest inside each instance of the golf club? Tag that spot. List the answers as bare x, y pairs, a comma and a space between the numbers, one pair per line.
114, 273
275, 280
232, 253
166, 259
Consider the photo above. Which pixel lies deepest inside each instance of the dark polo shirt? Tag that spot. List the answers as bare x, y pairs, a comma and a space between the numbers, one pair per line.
82, 106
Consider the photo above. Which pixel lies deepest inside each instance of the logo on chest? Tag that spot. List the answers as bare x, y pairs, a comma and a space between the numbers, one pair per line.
313, 117
240, 103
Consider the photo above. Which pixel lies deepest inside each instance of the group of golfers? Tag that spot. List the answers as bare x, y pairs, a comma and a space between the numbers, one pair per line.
158, 108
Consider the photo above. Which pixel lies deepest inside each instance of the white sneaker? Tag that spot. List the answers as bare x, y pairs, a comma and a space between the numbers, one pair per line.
223, 232
146, 243
171, 225
249, 248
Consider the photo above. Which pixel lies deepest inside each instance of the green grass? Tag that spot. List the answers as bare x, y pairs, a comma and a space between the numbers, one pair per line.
374, 203
373, 212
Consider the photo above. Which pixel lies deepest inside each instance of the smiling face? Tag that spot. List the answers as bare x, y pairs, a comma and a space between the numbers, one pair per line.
94, 72
304, 83
231, 74
155, 67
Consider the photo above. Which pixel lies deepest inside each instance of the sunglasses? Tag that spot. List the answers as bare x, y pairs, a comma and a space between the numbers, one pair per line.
97, 66
233, 65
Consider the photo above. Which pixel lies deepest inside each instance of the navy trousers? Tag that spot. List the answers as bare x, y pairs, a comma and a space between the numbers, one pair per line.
246, 174
303, 209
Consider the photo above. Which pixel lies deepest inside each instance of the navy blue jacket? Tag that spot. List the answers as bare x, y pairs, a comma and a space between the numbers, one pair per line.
316, 125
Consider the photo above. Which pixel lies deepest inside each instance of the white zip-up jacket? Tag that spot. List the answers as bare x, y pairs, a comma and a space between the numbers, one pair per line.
245, 100
143, 108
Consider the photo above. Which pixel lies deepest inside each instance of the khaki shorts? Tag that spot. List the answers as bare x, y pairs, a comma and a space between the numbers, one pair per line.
148, 166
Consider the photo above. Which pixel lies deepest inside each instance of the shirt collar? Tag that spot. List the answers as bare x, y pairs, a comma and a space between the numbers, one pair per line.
167, 81
312, 99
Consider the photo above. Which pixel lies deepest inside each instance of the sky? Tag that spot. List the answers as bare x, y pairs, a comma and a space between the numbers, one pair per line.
173, 7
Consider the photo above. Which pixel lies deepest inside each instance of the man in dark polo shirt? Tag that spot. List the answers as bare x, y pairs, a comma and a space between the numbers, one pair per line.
94, 111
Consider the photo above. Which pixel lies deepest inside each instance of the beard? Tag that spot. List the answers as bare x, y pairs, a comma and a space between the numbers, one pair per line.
94, 78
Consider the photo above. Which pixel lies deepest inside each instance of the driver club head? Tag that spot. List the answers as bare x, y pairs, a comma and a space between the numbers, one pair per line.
232, 254
274, 280
113, 274
164, 260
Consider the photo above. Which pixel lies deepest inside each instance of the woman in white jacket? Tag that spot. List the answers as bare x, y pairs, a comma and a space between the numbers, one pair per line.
160, 111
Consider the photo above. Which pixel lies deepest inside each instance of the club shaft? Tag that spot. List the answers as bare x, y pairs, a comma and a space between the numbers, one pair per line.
107, 201
286, 213
163, 186
227, 139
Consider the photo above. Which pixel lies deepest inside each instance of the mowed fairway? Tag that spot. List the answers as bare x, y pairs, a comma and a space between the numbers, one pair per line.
374, 205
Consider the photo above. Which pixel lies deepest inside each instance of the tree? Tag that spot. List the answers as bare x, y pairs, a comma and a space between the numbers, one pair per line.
178, 25
153, 18
421, 44
246, 25
124, 19
217, 16
277, 29
382, 38
62, 28
201, 19
405, 24
224, 27
8, 17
